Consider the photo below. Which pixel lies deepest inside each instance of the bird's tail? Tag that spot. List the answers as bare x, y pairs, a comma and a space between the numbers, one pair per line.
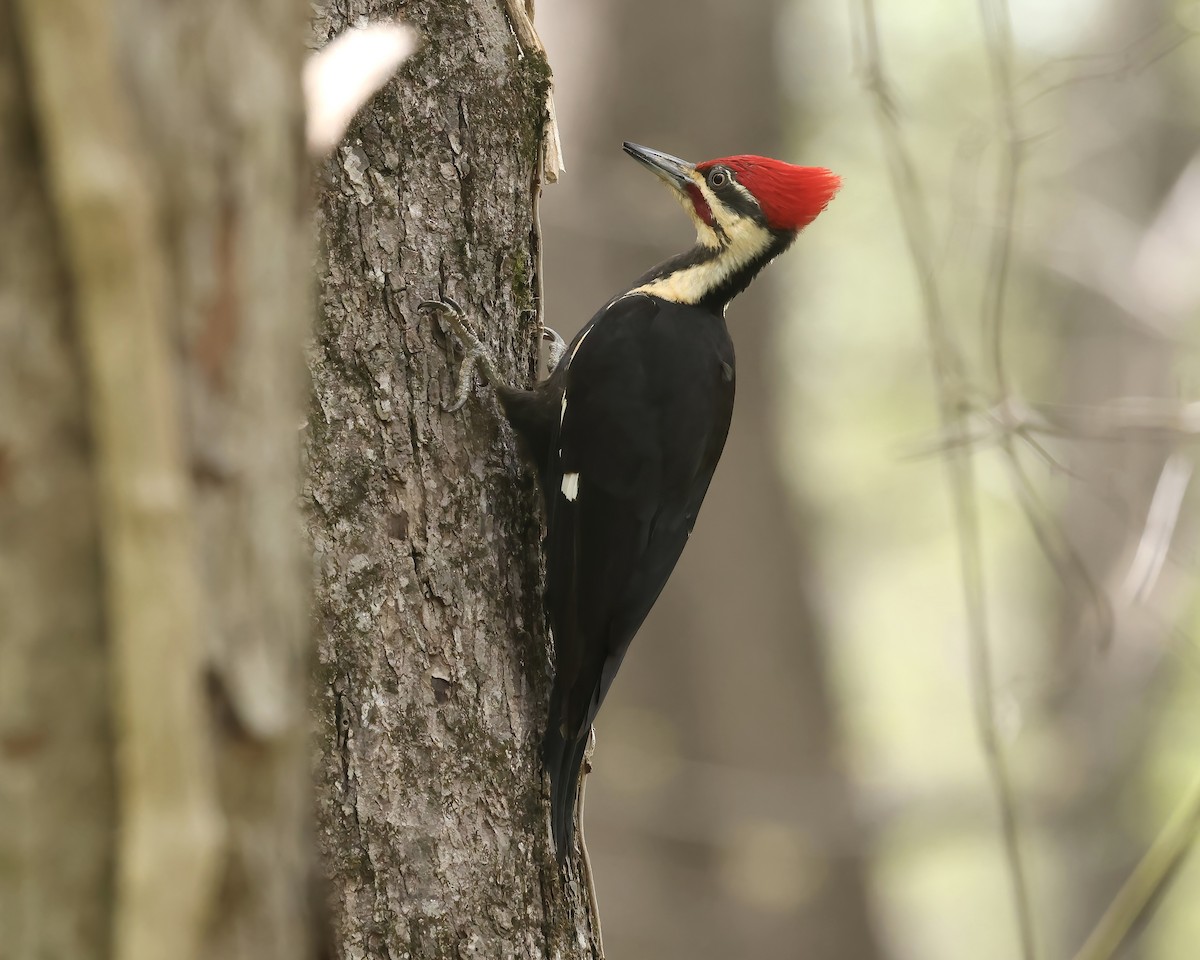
564, 760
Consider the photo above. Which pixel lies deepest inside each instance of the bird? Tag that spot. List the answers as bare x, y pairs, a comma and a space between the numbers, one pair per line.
626, 432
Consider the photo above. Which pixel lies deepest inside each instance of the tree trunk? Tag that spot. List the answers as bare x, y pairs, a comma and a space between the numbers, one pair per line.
153, 658
434, 653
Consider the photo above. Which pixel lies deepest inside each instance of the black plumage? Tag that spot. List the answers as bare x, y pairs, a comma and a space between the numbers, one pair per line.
627, 432
648, 387
628, 470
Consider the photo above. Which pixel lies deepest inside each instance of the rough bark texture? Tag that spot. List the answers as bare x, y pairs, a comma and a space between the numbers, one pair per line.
433, 651
153, 652
721, 822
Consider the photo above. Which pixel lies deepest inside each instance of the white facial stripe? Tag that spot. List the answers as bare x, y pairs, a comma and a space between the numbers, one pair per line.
743, 241
570, 486
726, 218
706, 235
723, 217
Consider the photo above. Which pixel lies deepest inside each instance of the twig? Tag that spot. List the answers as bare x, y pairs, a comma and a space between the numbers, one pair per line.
949, 380
1137, 57
1128, 418
585, 858
998, 34
1150, 878
1058, 548
1161, 520
1054, 542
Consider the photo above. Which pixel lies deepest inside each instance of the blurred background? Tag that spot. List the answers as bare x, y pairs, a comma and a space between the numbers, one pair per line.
789, 764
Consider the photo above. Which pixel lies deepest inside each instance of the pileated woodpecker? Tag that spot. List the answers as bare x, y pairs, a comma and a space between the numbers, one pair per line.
627, 430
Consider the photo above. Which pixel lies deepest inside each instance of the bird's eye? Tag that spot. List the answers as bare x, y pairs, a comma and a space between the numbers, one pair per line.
718, 178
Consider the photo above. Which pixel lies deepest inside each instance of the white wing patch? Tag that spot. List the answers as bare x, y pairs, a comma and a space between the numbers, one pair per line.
570, 486
563, 411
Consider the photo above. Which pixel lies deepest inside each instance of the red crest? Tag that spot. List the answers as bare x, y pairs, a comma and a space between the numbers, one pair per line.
790, 196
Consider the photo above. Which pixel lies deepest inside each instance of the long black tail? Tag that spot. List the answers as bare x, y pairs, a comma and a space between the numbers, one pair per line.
564, 760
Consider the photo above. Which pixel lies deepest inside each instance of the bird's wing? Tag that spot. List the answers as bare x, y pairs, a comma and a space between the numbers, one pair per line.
642, 423
631, 461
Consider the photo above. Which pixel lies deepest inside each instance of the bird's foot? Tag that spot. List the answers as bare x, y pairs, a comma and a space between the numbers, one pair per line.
477, 356
556, 347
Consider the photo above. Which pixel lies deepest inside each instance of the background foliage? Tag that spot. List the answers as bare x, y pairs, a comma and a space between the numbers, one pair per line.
1088, 591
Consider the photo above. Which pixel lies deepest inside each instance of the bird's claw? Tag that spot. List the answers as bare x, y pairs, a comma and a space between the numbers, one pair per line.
466, 383
460, 399
455, 318
476, 353
557, 346
445, 305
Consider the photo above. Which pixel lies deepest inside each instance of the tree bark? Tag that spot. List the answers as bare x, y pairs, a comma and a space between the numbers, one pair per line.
153, 652
434, 654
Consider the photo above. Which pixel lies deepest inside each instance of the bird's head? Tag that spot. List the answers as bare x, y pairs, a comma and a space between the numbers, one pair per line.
730, 196
746, 210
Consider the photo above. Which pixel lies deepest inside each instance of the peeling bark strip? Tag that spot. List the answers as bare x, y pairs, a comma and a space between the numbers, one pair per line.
434, 655
160, 331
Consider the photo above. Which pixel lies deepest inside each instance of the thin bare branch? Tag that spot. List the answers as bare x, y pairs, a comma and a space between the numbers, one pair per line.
1161, 521
949, 380
1053, 540
585, 858
1057, 547
1150, 878
1133, 59
997, 31
1147, 419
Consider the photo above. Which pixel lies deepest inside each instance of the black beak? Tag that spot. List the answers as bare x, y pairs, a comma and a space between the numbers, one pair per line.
672, 170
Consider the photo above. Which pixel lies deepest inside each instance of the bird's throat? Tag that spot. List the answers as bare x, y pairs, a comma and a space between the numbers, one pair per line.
709, 276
